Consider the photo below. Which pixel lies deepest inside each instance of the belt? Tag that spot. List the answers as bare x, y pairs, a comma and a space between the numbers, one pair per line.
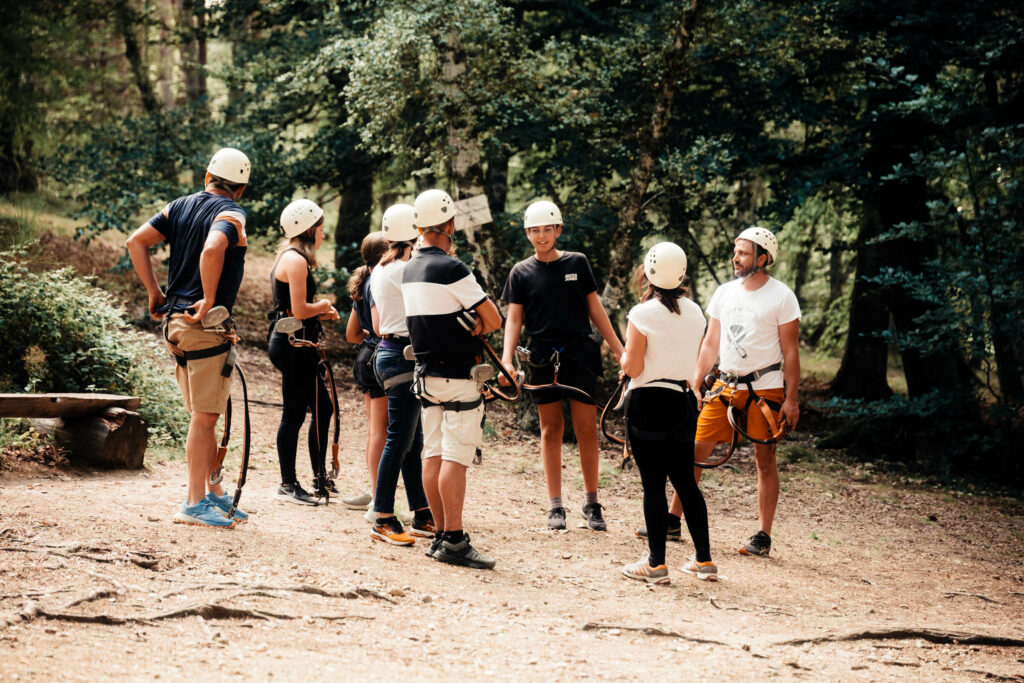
732, 378
396, 338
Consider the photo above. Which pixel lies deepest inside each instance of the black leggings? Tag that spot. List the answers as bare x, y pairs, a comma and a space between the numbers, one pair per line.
301, 390
662, 424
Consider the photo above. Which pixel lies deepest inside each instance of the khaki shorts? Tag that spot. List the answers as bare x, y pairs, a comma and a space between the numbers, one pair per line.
713, 423
449, 434
203, 387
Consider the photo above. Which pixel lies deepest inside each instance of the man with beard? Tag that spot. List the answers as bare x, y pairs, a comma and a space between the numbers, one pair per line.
753, 332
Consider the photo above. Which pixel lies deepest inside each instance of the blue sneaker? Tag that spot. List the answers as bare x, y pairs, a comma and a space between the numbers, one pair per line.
203, 513
223, 503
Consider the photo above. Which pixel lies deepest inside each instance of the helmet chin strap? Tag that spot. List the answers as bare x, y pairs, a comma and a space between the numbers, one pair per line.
449, 235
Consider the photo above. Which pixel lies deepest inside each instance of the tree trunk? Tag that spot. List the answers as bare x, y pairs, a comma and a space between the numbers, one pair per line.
624, 239
192, 27
354, 216
862, 373
114, 438
126, 23
466, 167
496, 179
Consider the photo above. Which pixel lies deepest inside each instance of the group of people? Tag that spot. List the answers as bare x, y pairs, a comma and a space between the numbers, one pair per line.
418, 316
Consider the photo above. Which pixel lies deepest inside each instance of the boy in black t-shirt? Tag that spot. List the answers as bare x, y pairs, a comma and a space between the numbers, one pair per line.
555, 294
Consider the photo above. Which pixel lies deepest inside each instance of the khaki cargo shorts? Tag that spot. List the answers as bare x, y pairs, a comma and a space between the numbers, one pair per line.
203, 387
452, 435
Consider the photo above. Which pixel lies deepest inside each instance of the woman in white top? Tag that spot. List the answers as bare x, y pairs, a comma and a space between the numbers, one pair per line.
662, 340
404, 442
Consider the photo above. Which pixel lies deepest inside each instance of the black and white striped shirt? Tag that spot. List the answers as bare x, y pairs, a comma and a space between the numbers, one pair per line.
436, 288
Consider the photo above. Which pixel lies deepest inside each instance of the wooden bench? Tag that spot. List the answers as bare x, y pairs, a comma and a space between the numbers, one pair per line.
100, 429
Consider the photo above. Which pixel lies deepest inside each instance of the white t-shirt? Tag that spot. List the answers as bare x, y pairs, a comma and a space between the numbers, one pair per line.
673, 341
750, 323
386, 288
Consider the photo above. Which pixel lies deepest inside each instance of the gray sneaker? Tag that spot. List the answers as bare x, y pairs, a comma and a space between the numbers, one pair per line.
360, 502
595, 520
759, 545
641, 571
556, 518
705, 571
463, 554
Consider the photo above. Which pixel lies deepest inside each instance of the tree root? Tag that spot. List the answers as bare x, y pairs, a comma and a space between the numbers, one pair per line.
651, 631
348, 594
930, 635
954, 594
141, 558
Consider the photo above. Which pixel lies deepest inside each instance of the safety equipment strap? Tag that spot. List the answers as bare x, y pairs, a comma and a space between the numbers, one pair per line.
555, 360
738, 416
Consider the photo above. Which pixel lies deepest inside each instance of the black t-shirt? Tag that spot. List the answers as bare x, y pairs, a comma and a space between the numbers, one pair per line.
185, 224
363, 313
553, 296
436, 288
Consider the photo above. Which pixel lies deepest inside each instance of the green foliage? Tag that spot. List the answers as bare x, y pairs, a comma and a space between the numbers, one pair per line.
61, 334
18, 226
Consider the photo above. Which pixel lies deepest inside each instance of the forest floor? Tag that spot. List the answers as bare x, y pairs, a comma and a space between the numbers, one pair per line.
872, 575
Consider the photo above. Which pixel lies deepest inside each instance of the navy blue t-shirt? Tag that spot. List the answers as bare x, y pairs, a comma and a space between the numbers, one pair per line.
185, 224
436, 288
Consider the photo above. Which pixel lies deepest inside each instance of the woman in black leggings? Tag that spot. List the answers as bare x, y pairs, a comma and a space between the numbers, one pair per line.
662, 340
293, 287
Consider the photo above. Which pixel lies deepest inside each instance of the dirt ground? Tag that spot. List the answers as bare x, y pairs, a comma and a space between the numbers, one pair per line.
99, 584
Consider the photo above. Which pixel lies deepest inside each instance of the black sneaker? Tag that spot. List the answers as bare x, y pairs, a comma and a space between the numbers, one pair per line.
294, 493
323, 487
592, 513
463, 554
434, 546
556, 518
670, 534
759, 545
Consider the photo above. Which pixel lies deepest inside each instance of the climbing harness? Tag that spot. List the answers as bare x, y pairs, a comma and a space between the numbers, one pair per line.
481, 373
218, 320
555, 359
627, 454
738, 416
623, 406
289, 326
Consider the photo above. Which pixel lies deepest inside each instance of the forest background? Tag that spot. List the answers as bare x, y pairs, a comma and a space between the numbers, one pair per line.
882, 141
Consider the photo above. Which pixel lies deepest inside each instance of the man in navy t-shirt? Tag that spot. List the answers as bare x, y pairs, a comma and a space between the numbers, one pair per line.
206, 235
438, 290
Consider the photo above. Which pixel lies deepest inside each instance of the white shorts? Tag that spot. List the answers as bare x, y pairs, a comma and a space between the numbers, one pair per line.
449, 434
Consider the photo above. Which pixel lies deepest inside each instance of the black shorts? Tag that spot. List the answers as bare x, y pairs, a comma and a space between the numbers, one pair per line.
580, 366
362, 371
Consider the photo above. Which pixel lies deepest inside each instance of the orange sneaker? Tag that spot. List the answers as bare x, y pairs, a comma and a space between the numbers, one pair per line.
389, 530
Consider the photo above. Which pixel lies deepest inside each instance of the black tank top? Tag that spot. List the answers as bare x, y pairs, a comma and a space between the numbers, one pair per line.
281, 292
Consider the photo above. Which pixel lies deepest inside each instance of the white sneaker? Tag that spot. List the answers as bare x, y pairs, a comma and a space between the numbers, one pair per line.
370, 516
360, 502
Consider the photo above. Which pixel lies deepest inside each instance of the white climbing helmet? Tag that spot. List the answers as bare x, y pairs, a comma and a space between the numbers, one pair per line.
399, 224
433, 207
665, 265
300, 216
542, 212
763, 238
230, 164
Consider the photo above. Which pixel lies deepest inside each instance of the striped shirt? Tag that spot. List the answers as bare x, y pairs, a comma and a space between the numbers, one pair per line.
185, 223
437, 288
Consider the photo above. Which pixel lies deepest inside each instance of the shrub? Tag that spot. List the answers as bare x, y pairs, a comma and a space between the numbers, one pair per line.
58, 333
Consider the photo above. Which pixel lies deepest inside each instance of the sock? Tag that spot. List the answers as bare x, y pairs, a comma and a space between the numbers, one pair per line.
454, 537
591, 497
423, 515
703, 554
556, 503
674, 522
653, 561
